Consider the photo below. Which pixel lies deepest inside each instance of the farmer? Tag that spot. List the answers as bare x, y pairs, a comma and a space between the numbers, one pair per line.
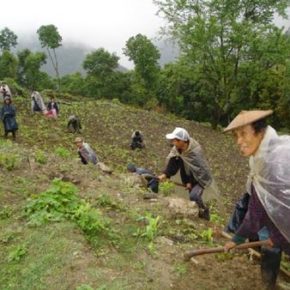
187, 157
74, 124
37, 104
137, 140
8, 116
152, 180
5, 91
268, 186
86, 153
52, 108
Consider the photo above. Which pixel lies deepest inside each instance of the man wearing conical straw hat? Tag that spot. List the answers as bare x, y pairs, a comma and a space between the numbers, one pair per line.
269, 188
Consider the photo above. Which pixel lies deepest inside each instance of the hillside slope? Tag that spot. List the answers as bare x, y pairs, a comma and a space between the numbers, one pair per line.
99, 233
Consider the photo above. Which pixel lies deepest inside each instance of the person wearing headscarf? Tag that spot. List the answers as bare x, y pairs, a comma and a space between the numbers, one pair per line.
268, 185
187, 157
86, 153
8, 117
37, 104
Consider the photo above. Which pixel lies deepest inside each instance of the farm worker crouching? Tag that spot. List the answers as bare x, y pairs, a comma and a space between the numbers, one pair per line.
187, 157
151, 179
8, 116
137, 140
86, 153
269, 188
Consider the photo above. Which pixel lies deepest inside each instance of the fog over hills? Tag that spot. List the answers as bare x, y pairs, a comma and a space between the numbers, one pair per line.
71, 54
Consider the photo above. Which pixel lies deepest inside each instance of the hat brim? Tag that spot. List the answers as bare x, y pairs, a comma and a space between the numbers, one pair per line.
171, 136
247, 117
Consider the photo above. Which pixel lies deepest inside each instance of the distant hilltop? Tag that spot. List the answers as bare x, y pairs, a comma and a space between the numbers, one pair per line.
71, 55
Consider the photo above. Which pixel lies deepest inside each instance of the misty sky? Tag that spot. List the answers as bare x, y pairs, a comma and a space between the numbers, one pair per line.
97, 23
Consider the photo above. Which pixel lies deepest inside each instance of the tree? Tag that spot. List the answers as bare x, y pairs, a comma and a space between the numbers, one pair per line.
8, 65
226, 45
145, 56
100, 66
29, 64
51, 39
7, 39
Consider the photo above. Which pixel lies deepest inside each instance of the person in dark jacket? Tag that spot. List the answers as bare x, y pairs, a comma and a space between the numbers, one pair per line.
74, 124
268, 186
8, 117
52, 108
187, 157
152, 180
137, 140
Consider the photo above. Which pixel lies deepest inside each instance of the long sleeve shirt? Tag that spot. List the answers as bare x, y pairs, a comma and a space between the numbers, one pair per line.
255, 219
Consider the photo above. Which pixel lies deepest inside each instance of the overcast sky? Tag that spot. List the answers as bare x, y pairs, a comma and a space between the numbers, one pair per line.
98, 23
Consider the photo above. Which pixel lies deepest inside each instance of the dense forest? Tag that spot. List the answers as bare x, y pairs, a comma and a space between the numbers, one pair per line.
232, 57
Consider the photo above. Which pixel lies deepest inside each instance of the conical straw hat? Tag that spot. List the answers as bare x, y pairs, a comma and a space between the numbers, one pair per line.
247, 117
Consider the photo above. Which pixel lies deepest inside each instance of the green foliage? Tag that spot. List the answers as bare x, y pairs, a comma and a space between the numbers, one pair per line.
51, 39
9, 161
104, 200
145, 57
100, 63
29, 73
207, 235
8, 39
60, 202
180, 269
231, 50
17, 253
40, 157
8, 65
151, 229
49, 36
5, 212
55, 204
166, 188
62, 152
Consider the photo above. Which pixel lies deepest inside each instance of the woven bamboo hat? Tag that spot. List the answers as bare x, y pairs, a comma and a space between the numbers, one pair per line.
247, 117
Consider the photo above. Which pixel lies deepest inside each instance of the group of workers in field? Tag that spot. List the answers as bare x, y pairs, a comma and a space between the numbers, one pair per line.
266, 203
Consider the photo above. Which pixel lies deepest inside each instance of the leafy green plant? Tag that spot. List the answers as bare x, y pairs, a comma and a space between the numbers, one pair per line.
9, 161
17, 253
5, 212
40, 157
62, 152
166, 188
150, 231
53, 204
207, 235
60, 202
180, 269
104, 200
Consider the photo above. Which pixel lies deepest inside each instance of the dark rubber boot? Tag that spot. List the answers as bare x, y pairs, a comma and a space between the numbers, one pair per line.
270, 265
204, 214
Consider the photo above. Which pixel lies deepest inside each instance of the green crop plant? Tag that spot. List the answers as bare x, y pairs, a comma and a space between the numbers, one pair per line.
207, 235
9, 161
40, 157
60, 202
166, 188
62, 152
17, 253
